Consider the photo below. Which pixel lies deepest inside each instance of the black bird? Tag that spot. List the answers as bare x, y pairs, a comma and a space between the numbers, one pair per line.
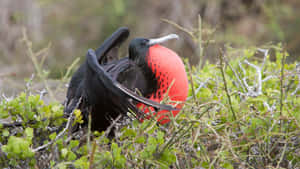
106, 85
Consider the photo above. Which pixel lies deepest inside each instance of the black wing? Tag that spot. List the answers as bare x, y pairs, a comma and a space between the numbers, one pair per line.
110, 48
108, 51
115, 87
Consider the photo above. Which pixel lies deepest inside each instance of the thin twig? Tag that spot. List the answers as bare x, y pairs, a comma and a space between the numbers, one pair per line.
298, 86
190, 33
92, 155
201, 85
229, 143
37, 65
200, 40
216, 157
236, 75
70, 119
259, 80
268, 78
225, 84
89, 131
173, 139
107, 131
281, 87
42, 93
270, 108
282, 154
192, 82
281, 82
265, 51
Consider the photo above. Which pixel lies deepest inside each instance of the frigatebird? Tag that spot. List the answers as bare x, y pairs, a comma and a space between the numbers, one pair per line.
107, 86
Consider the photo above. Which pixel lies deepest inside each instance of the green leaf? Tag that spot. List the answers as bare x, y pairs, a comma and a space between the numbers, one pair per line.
140, 140
82, 162
64, 152
52, 136
18, 148
128, 133
160, 137
5, 133
29, 133
71, 156
74, 143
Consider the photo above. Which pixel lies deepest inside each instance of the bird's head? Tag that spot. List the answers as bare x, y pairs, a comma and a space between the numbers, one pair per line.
139, 47
163, 67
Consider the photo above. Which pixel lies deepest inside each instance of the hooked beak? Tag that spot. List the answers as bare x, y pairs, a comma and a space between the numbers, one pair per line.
162, 39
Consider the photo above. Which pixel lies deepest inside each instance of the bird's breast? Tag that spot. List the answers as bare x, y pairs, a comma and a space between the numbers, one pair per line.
170, 73
171, 77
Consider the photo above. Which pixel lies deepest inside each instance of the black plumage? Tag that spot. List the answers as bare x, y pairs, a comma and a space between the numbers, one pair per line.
106, 85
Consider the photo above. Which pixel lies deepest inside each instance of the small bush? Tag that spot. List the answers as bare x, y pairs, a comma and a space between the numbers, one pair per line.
241, 113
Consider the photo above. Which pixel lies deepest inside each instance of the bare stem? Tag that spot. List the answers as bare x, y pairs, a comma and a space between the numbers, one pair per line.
190, 33
281, 86
200, 40
37, 65
192, 82
92, 155
89, 132
225, 84
281, 82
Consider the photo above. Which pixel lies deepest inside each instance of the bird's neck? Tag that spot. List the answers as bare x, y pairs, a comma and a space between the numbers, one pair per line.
152, 81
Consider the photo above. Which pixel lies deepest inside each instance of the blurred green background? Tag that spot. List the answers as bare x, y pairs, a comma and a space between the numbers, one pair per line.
71, 27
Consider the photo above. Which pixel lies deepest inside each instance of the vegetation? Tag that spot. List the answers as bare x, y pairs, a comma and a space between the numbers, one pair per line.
242, 112
243, 109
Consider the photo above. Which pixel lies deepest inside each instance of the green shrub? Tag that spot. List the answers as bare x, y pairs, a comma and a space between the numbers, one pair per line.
252, 123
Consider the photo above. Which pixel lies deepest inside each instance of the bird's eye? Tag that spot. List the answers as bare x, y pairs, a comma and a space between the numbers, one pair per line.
144, 42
